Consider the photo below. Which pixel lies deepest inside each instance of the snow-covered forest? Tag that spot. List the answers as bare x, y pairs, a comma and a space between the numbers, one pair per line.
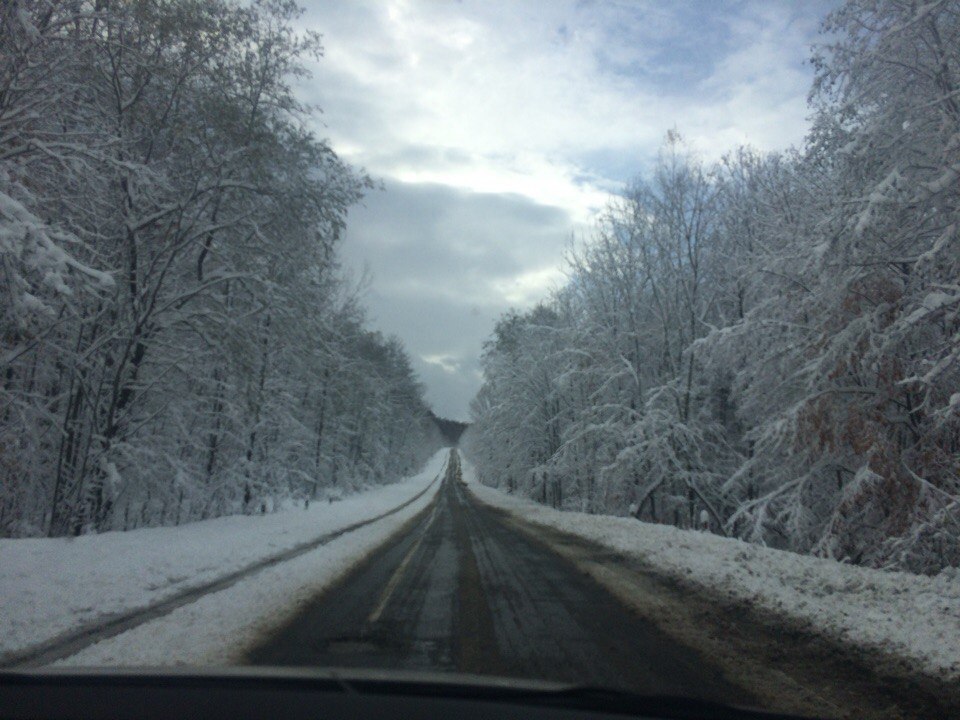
178, 341
767, 347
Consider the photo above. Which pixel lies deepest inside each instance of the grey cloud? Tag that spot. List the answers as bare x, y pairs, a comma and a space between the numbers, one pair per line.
435, 253
411, 155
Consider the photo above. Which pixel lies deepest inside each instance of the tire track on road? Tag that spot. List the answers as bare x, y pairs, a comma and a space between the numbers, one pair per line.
73, 641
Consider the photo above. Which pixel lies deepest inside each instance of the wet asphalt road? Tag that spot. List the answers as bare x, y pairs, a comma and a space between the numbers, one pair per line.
462, 590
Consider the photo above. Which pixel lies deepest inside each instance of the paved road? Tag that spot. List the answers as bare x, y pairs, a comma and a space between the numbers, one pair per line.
463, 590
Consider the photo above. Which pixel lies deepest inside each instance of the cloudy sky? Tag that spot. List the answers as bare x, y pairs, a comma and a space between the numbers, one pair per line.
499, 129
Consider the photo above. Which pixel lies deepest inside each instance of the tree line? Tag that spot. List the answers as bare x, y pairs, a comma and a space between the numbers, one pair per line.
767, 346
178, 339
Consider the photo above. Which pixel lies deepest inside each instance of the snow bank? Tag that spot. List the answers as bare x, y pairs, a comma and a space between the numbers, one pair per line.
913, 617
50, 586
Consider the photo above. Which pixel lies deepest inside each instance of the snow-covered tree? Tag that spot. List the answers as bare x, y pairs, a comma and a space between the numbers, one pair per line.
773, 341
178, 341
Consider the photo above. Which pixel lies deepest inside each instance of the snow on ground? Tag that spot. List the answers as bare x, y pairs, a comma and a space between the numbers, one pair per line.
913, 617
52, 585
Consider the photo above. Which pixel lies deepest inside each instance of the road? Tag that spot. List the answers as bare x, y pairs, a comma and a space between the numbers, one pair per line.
461, 589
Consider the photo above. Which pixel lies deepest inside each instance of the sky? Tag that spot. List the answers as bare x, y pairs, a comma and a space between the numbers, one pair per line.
498, 131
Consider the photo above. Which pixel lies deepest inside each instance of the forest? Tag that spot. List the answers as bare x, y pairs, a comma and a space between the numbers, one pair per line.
766, 347
177, 338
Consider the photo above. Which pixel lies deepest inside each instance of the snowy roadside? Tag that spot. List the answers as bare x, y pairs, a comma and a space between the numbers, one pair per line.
51, 586
915, 618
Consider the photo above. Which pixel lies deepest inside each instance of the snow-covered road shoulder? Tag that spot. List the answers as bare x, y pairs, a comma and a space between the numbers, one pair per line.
910, 617
49, 587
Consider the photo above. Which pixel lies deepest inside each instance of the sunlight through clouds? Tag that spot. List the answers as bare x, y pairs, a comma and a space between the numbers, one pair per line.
528, 287
447, 363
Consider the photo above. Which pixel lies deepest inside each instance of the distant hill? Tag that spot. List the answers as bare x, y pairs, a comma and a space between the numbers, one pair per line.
450, 429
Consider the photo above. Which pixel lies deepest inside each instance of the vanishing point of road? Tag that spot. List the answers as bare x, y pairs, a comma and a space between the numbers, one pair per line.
461, 589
